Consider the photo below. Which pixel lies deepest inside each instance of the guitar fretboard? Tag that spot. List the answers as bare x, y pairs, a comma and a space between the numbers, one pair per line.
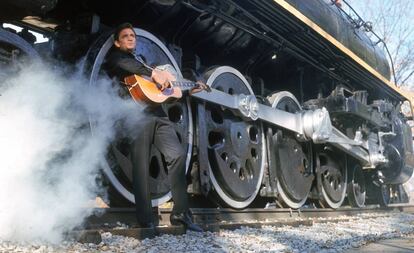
186, 84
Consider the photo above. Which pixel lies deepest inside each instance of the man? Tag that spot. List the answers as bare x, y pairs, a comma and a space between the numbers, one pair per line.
337, 3
157, 131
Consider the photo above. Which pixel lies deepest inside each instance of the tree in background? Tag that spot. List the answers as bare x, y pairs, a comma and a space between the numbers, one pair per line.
393, 22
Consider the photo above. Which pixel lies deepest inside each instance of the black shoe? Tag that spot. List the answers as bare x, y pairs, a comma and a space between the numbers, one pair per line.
147, 225
184, 219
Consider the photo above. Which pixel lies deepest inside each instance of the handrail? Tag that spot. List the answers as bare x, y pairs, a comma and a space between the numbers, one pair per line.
368, 28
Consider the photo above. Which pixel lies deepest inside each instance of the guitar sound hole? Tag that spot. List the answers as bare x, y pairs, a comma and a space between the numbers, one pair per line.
175, 114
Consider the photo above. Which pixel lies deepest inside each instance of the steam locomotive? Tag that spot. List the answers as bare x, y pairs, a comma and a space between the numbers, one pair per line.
302, 108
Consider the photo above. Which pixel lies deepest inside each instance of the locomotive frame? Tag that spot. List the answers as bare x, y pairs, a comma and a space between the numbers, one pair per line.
292, 82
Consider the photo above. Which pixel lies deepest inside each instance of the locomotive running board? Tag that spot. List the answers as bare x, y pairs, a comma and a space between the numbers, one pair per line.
308, 125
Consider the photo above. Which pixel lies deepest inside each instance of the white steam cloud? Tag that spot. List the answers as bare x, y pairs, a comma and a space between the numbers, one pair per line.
49, 160
409, 187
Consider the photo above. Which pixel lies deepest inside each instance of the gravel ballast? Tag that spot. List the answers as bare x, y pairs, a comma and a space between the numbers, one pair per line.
325, 236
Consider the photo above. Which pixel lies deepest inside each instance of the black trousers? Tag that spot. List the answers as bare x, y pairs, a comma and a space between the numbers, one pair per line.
158, 131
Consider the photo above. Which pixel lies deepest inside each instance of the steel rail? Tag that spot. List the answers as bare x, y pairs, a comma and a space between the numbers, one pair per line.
215, 219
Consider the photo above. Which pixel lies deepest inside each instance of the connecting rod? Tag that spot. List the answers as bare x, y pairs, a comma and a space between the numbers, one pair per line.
312, 125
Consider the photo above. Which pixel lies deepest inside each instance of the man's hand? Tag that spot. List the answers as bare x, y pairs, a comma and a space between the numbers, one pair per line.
200, 87
162, 78
337, 3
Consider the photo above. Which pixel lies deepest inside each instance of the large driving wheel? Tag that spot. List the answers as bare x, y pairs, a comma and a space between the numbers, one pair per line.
331, 178
356, 189
118, 169
291, 159
234, 146
13, 51
384, 195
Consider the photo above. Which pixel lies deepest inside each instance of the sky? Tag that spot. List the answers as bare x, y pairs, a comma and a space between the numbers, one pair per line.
399, 15
39, 37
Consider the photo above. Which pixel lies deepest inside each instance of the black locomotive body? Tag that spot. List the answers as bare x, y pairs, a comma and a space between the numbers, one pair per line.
314, 117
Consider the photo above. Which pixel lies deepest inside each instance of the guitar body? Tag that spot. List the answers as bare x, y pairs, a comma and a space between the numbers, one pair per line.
143, 90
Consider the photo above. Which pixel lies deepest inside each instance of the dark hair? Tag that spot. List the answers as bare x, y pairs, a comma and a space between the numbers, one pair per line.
121, 27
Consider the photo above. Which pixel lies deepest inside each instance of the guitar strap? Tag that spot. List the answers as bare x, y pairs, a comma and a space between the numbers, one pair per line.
139, 58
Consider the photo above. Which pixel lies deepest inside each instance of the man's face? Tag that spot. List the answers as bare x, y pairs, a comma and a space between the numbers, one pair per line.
126, 40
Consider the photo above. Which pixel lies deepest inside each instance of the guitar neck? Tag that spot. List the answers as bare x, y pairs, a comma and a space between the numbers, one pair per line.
184, 84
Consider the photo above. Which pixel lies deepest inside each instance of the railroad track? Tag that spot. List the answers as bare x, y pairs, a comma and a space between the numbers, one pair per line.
121, 221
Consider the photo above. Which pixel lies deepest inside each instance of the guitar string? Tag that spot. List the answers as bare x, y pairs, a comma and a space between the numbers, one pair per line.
184, 83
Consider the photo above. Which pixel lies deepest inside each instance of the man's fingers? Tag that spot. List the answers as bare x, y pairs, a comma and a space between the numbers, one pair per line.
199, 88
203, 86
208, 89
162, 86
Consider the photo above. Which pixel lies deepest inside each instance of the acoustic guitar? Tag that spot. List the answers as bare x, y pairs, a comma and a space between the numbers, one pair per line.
149, 92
